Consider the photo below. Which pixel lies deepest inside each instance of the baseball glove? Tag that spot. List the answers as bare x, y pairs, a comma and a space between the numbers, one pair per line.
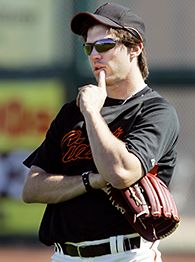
148, 206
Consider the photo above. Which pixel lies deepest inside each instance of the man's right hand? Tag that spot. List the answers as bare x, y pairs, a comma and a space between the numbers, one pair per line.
91, 97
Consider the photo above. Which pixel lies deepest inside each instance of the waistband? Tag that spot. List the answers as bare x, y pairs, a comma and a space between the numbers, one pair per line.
112, 245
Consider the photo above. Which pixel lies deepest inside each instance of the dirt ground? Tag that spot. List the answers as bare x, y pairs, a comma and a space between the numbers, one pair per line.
43, 254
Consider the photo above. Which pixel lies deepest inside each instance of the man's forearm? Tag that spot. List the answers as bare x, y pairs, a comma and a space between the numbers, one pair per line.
113, 161
41, 187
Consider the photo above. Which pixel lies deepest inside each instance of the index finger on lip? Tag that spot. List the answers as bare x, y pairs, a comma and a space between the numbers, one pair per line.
101, 80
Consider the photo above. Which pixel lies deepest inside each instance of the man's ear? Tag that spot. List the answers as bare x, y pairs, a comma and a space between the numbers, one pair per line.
136, 50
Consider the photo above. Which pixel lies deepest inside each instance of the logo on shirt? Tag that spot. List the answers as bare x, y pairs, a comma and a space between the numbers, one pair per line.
153, 162
75, 145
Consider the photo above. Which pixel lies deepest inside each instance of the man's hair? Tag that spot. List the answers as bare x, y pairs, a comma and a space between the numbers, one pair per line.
129, 39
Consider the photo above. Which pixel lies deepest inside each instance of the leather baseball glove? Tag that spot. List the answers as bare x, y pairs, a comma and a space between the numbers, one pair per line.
148, 206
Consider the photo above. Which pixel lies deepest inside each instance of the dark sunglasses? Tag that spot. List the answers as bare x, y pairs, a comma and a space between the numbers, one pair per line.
101, 45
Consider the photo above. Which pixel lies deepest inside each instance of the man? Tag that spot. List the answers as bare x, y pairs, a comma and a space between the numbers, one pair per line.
114, 132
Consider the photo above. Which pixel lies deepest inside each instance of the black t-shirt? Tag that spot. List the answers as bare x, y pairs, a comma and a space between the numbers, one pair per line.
148, 125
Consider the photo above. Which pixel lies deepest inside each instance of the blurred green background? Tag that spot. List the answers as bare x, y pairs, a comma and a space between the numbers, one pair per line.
42, 65
19, 219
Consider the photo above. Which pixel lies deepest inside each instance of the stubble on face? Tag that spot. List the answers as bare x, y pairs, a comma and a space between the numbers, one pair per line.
115, 62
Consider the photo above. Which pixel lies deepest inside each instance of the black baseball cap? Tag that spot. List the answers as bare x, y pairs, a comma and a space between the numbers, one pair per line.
112, 15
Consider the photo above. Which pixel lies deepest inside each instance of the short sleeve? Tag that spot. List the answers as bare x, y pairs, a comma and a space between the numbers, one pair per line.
154, 133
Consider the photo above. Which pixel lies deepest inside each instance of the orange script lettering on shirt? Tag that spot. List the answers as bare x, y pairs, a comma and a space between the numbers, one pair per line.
76, 146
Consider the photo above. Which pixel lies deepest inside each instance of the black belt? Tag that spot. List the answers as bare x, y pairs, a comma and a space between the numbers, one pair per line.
97, 250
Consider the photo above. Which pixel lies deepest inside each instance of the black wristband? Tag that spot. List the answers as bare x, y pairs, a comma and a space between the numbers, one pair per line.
85, 178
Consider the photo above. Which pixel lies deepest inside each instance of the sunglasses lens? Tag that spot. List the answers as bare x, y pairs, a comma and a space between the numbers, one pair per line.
100, 46
104, 47
88, 48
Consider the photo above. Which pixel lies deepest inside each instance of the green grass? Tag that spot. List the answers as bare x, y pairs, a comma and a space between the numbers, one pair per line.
19, 218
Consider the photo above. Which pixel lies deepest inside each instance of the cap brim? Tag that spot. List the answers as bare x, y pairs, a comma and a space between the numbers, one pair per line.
82, 21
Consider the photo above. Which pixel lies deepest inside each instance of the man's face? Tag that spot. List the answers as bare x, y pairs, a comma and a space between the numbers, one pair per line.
115, 62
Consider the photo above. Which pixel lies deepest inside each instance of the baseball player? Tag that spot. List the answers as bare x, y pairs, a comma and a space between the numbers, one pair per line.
114, 132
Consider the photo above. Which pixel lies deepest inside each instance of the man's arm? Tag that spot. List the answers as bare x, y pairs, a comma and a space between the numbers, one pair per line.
41, 187
112, 159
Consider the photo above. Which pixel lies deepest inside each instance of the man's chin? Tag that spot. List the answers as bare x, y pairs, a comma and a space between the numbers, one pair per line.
109, 79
